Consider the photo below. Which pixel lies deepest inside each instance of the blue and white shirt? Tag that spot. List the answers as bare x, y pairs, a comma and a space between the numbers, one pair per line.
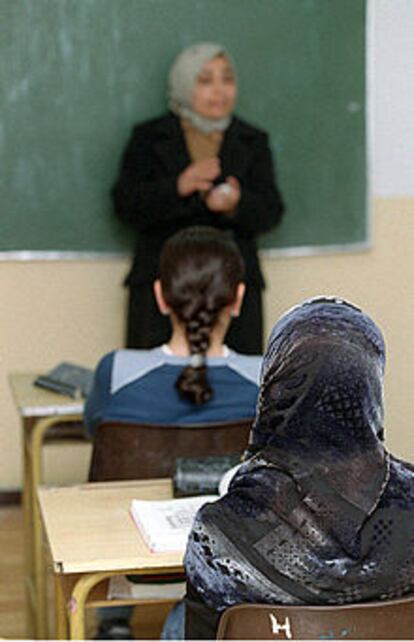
138, 386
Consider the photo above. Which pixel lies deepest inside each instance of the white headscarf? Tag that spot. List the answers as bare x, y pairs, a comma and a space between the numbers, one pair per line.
182, 77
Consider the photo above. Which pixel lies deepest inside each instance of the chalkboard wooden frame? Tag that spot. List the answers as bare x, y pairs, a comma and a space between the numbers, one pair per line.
79, 74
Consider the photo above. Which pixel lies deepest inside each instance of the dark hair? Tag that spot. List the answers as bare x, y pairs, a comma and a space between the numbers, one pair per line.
200, 269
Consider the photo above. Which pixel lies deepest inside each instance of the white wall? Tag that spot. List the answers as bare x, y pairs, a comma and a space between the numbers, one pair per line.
391, 96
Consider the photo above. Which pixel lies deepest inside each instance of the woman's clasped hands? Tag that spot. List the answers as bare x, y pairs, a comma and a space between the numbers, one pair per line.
200, 176
224, 198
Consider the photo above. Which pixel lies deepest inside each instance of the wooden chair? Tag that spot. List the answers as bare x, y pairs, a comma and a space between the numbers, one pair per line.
143, 451
370, 621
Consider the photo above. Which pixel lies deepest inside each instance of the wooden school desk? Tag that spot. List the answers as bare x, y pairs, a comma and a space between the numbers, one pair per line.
92, 537
41, 412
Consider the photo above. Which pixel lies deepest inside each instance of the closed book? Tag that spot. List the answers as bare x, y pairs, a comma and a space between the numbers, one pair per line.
67, 379
121, 588
166, 524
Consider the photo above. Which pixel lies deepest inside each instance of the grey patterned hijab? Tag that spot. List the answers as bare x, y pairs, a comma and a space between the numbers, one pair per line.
321, 512
182, 77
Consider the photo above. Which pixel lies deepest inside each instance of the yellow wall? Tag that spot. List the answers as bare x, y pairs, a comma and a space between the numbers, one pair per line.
53, 311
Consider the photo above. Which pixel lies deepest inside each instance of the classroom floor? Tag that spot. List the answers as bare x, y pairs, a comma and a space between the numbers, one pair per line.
147, 622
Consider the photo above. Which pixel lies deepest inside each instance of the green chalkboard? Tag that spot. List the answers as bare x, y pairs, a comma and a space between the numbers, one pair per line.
76, 75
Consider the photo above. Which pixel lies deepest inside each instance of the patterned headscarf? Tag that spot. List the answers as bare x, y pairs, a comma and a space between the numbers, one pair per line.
320, 513
182, 77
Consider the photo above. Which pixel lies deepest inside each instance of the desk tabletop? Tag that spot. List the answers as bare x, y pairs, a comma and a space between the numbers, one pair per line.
90, 529
33, 401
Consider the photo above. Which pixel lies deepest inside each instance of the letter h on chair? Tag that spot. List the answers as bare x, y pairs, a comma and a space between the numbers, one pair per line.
386, 620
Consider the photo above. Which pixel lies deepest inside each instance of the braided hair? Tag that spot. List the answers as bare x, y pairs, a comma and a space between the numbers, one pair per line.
200, 269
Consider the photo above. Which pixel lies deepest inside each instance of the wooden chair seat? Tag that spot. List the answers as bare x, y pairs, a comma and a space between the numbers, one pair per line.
369, 621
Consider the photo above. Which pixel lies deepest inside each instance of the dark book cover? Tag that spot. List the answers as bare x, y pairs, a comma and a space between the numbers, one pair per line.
67, 379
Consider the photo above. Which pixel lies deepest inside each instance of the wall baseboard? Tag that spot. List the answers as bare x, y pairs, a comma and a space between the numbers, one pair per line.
10, 497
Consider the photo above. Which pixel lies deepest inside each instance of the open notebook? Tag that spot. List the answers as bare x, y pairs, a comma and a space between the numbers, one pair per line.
166, 524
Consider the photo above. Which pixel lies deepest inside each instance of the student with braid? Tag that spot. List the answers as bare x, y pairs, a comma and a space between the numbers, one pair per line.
200, 288
198, 378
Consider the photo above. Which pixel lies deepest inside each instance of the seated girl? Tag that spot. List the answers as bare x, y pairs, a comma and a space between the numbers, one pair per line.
195, 376
321, 512
200, 288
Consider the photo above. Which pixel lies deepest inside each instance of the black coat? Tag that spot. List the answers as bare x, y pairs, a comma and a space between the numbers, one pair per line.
145, 194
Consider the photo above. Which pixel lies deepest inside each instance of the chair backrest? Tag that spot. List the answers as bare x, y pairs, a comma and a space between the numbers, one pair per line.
374, 620
142, 451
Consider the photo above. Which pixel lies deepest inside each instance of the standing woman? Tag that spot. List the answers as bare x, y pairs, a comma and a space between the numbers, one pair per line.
197, 165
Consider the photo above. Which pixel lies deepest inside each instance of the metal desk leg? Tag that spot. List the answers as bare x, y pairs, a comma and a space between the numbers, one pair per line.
37, 568
61, 620
27, 500
77, 604
39, 572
